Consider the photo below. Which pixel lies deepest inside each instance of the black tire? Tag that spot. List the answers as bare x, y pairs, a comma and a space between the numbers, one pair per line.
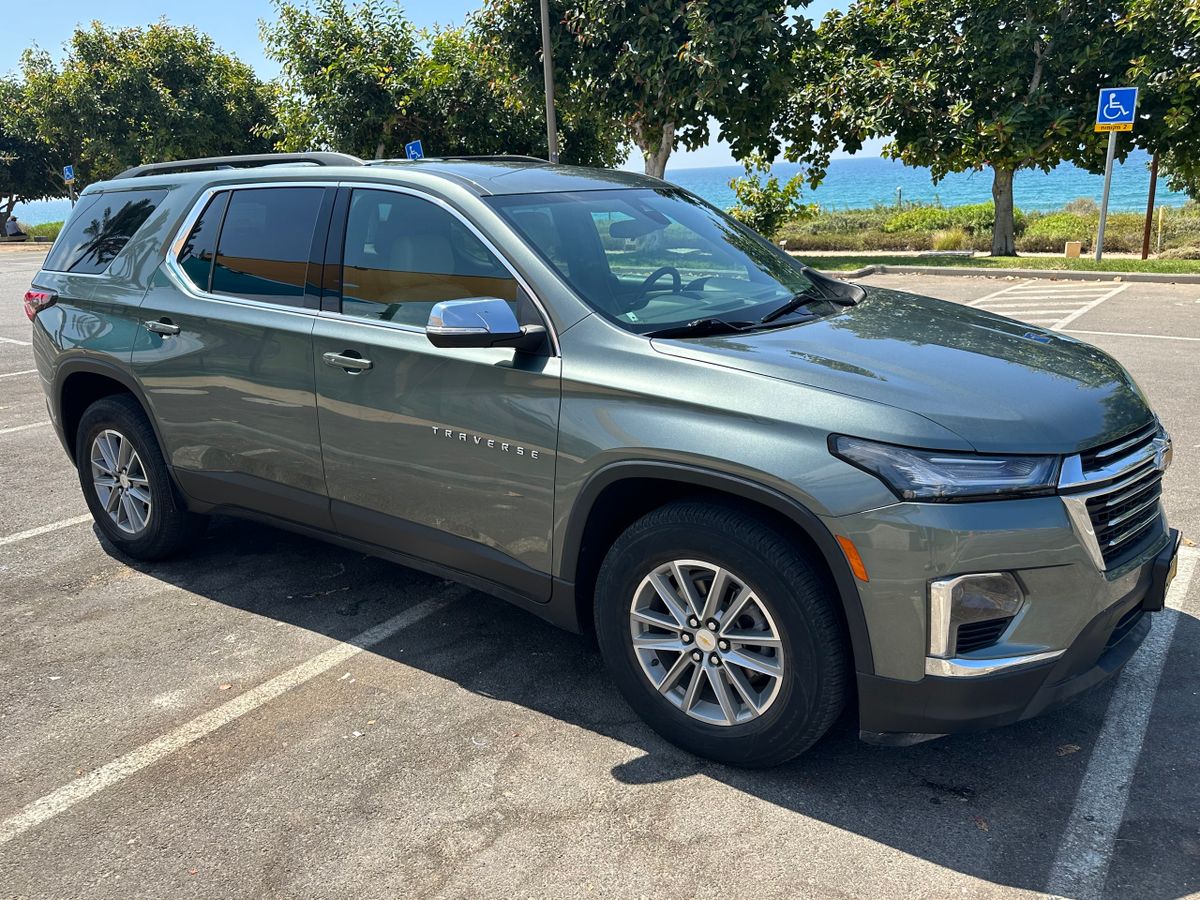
170, 528
802, 602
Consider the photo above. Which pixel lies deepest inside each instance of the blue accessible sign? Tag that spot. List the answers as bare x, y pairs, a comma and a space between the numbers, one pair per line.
69, 174
413, 150
1115, 109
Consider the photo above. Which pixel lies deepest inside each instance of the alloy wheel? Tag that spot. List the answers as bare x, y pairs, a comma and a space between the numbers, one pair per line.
120, 481
707, 642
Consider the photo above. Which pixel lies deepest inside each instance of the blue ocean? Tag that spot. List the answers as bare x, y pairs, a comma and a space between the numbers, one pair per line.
859, 182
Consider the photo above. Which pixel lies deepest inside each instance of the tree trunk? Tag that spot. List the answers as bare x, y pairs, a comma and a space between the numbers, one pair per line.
1004, 242
657, 150
9, 203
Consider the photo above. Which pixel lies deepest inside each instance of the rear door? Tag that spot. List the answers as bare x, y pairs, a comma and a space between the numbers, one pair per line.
444, 454
225, 351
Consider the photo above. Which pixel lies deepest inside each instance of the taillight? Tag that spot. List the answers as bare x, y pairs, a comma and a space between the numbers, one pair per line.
36, 301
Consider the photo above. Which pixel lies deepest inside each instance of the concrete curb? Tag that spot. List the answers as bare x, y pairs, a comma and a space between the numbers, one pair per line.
1062, 274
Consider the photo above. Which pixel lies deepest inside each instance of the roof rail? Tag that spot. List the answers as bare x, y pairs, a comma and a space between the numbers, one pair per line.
486, 157
244, 161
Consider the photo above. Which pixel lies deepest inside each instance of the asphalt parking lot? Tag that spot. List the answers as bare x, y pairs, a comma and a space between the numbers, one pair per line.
276, 717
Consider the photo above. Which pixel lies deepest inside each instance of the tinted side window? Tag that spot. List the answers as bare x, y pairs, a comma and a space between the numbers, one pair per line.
196, 256
404, 254
263, 250
100, 228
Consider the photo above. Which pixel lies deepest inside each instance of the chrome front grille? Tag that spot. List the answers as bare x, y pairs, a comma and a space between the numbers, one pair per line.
1113, 492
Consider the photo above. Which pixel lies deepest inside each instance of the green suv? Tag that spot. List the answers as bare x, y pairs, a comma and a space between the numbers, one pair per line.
770, 494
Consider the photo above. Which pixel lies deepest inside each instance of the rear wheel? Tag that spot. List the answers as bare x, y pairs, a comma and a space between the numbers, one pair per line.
721, 634
125, 482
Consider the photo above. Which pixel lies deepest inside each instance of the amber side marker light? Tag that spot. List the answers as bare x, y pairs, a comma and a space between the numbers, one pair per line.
852, 557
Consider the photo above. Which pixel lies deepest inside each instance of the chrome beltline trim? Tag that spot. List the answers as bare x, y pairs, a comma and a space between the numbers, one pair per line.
973, 668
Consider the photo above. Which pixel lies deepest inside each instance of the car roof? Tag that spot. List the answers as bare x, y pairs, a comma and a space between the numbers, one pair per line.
482, 175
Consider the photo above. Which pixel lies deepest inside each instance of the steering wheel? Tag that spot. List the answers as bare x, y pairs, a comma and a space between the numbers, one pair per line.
676, 279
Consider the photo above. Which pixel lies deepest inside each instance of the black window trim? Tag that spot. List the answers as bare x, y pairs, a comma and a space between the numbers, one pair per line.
98, 194
330, 305
184, 283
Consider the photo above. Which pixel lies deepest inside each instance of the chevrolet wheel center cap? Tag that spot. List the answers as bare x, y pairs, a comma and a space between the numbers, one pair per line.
706, 640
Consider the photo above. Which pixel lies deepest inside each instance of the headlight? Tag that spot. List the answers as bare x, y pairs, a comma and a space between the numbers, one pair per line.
946, 476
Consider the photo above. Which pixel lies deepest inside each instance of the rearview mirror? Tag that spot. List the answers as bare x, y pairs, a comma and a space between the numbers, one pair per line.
480, 322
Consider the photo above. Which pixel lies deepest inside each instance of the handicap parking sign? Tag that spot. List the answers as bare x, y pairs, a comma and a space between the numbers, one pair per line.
1115, 109
69, 174
413, 150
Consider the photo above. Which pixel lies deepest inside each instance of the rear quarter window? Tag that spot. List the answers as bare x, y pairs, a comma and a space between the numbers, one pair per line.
99, 229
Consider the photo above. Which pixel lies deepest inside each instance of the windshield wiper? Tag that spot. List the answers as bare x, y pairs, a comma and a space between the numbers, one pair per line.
802, 298
699, 328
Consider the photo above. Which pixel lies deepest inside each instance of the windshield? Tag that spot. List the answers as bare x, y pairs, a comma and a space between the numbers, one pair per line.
650, 259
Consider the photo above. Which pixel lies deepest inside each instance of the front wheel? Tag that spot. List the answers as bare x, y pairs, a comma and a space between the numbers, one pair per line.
721, 634
126, 484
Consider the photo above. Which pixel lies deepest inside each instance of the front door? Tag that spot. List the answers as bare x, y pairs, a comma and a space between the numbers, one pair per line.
443, 454
225, 353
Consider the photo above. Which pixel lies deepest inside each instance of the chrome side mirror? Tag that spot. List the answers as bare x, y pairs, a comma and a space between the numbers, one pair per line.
480, 322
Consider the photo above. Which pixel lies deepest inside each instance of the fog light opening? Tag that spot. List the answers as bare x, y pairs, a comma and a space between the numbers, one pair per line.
969, 600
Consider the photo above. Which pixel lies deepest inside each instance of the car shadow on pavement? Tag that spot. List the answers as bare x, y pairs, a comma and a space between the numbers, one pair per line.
991, 805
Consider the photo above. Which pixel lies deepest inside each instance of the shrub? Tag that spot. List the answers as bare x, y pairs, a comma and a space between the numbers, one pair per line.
1083, 206
1180, 253
920, 218
45, 230
1048, 233
952, 239
765, 205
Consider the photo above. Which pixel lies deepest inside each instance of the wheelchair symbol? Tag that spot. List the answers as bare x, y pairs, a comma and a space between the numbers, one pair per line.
1113, 108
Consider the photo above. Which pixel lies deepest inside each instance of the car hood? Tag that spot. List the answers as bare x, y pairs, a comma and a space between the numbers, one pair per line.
1002, 385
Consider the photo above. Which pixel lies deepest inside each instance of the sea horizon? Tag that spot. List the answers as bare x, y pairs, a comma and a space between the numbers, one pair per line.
858, 182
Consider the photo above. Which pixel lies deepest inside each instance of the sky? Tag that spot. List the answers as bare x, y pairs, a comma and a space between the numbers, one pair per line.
233, 25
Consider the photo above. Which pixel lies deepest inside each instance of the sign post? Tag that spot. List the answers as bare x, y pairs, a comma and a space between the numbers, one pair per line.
69, 181
1114, 112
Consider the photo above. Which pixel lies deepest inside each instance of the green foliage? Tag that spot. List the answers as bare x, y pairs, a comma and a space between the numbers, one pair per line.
765, 205
662, 69
1083, 206
47, 230
983, 263
951, 239
1048, 233
27, 170
958, 85
347, 76
125, 96
974, 218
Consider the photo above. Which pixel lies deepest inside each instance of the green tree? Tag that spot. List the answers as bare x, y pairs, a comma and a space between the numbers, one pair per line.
468, 103
28, 170
125, 96
765, 205
661, 68
348, 76
961, 84
1164, 41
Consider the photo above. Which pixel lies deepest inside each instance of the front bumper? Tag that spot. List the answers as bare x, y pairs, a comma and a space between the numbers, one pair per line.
892, 711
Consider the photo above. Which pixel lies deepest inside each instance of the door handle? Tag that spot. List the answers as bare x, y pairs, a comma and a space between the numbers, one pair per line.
162, 326
351, 364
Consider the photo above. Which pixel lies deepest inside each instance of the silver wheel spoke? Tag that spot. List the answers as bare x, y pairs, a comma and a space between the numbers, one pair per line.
754, 662
716, 591
112, 501
724, 697
662, 587
656, 619
740, 599
674, 672
742, 686
693, 689
659, 642
124, 449
694, 601
106, 453
756, 638
139, 494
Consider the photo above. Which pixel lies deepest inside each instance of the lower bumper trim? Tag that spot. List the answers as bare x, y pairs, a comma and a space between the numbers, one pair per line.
974, 668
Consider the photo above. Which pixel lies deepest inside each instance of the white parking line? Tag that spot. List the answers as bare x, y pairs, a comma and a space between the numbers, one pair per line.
16, 428
119, 769
1079, 312
1080, 867
1157, 337
15, 374
4, 340
44, 529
